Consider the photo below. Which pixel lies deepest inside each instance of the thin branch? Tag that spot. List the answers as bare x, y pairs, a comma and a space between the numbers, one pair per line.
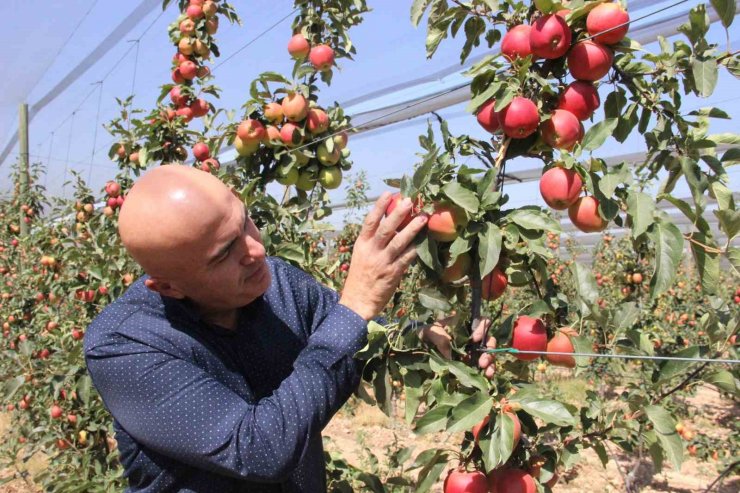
721, 476
709, 249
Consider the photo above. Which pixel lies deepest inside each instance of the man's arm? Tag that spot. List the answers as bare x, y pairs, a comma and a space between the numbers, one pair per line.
175, 408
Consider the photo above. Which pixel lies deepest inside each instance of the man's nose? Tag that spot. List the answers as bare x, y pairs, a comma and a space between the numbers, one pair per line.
254, 251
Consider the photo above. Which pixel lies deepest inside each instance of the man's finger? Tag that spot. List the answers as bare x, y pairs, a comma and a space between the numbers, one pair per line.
404, 260
406, 236
481, 329
373, 218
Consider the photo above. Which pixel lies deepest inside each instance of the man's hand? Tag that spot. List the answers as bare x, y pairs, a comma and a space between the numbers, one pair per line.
380, 258
436, 334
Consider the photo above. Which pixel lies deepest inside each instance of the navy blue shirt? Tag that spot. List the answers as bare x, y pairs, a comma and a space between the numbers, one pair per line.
199, 408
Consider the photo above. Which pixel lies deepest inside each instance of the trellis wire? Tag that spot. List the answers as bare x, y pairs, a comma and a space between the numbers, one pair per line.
611, 355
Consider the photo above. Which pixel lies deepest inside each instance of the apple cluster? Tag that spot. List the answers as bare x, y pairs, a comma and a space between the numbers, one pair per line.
115, 198
195, 27
588, 60
202, 154
296, 122
321, 56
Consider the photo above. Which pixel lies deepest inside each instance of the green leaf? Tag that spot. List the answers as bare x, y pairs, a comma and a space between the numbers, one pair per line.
597, 135
548, 411
731, 156
433, 299
535, 219
665, 430
426, 249
383, 389
585, 282
705, 75
670, 369
730, 222
470, 412
412, 385
11, 386
641, 207
733, 255
707, 263
710, 112
461, 196
417, 10
668, 242
725, 10
433, 420
290, 251
489, 248
84, 385
723, 380
499, 446
431, 471
466, 375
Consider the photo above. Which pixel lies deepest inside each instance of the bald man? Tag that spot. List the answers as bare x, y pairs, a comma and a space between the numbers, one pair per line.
221, 366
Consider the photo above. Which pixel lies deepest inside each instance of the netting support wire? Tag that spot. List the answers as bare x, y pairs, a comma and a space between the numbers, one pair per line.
69, 147
616, 356
95, 133
133, 78
48, 161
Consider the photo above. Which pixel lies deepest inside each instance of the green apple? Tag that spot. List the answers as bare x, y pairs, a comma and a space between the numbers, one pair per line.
326, 157
246, 147
330, 178
287, 175
306, 181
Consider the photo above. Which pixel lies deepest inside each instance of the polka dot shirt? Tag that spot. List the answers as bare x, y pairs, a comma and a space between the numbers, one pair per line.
198, 408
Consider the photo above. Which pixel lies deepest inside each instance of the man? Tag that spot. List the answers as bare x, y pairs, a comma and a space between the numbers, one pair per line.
221, 366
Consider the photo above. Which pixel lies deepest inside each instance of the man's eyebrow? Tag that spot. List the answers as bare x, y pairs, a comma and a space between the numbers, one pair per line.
228, 246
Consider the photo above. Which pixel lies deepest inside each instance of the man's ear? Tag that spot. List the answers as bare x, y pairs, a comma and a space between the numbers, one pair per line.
164, 288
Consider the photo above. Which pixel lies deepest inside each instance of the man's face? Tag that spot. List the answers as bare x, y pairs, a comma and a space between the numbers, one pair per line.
230, 270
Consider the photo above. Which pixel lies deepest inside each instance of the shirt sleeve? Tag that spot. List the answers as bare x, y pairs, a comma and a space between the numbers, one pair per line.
175, 408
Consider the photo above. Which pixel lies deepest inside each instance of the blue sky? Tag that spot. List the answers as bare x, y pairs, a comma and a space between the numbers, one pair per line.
390, 51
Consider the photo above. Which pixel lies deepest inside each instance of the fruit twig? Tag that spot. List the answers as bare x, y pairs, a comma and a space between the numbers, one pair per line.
724, 473
684, 383
707, 248
502, 152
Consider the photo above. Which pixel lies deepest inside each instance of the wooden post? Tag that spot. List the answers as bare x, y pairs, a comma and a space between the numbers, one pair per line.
23, 171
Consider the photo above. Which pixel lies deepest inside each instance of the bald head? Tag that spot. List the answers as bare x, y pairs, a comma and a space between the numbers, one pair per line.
169, 216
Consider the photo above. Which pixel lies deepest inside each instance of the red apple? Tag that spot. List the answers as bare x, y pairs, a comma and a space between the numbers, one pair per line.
461, 481
562, 130
322, 57
201, 151
210, 9
529, 334
290, 135
187, 27
251, 130
274, 112
580, 98
457, 270
487, 117
194, 12
415, 210
560, 187
56, 412
604, 17
550, 37
445, 222
589, 61
494, 284
298, 46
479, 427
186, 113
272, 133
212, 164
561, 343
295, 107
515, 43
188, 70
317, 121
511, 481
178, 99
584, 214
200, 107
520, 118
